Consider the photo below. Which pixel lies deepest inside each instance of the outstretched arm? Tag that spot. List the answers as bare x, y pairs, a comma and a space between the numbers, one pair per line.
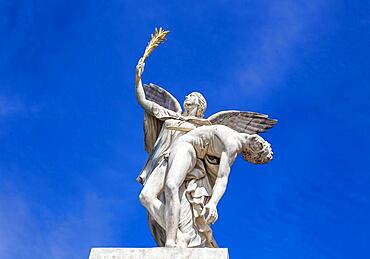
149, 106
227, 159
140, 94
222, 178
156, 38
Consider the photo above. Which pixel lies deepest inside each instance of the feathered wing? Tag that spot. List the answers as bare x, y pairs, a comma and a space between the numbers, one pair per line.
243, 122
152, 125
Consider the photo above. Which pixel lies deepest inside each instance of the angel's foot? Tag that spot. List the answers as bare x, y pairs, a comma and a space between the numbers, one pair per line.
170, 243
183, 239
182, 244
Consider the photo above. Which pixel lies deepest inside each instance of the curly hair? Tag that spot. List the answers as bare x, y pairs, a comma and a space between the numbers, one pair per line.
258, 150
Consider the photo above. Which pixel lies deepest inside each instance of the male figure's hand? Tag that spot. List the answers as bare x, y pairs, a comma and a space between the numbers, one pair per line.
212, 215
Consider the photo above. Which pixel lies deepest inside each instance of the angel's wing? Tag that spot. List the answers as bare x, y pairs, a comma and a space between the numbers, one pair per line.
152, 125
244, 122
160, 96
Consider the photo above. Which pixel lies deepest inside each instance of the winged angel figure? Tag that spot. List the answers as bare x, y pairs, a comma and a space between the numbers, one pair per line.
164, 123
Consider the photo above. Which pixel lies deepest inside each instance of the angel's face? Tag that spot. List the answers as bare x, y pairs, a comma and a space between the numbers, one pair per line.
190, 102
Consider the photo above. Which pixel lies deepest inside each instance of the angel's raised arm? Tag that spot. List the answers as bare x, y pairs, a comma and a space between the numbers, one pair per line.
154, 99
151, 106
140, 93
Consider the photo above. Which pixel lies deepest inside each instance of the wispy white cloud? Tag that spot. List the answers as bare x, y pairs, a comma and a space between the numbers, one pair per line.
19, 232
10, 106
14, 108
275, 46
13, 105
24, 234
29, 229
75, 233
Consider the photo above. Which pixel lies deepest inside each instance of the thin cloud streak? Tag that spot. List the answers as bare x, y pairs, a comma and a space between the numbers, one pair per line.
64, 236
275, 50
10, 106
87, 221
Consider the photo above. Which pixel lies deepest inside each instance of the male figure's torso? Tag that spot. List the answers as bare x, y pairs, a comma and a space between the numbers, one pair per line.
212, 140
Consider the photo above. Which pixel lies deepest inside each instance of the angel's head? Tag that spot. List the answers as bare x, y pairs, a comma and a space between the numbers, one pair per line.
195, 104
257, 150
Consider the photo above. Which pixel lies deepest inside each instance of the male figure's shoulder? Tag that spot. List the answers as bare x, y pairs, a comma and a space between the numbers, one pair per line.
228, 137
225, 133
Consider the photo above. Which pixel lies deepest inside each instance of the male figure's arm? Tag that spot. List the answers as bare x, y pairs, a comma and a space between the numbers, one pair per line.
227, 159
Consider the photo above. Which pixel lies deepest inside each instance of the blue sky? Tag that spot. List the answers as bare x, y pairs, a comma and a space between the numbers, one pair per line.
71, 139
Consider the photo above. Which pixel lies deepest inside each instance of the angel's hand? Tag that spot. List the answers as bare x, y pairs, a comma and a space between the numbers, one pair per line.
139, 70
141, 61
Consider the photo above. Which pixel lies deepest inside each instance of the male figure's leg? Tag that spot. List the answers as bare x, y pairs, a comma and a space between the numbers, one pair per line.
182, 159
149, 194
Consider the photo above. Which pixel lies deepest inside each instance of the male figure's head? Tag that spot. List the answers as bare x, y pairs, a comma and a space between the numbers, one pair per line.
257, 150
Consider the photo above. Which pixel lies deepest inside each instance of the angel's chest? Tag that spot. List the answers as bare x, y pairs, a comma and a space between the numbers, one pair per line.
171, 123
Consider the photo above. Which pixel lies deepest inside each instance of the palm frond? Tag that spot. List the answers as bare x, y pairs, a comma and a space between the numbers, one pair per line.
158, 37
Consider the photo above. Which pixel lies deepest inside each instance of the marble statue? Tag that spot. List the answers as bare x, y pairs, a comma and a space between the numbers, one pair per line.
189, 159
217, 141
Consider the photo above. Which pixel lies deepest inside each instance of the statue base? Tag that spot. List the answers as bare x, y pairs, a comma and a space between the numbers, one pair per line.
159, 253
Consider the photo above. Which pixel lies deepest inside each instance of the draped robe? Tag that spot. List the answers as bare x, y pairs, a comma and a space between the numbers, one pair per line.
197, 187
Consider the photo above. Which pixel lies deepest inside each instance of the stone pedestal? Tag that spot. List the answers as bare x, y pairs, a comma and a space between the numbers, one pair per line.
159, 253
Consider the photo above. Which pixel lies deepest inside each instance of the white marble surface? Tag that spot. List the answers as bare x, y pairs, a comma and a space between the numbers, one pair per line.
159, 253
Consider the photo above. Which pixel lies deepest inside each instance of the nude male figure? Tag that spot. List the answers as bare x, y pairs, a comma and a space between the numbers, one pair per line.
218, 141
